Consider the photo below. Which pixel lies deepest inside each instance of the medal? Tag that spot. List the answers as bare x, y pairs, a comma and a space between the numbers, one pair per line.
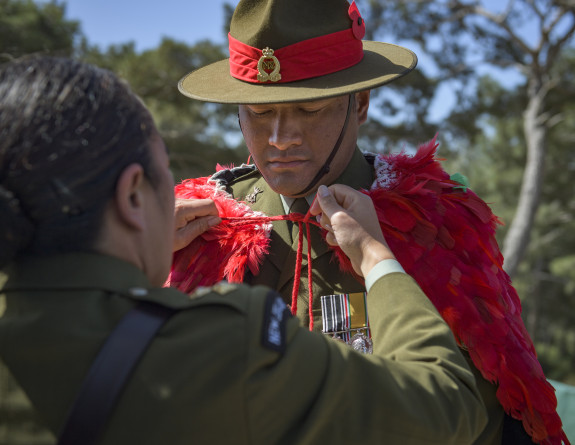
344, 318
360, 342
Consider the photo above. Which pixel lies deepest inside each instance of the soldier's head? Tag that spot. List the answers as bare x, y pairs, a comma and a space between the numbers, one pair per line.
301, 74
73, 139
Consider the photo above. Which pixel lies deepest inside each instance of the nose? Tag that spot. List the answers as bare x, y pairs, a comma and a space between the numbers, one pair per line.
285, 132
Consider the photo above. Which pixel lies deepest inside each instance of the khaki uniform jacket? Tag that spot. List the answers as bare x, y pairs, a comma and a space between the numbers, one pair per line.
210, 375
277, 270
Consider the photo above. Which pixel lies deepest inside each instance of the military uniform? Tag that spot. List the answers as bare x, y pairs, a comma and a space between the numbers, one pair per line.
211, 376
277, 269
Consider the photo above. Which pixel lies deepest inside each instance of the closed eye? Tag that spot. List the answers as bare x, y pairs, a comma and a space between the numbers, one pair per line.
312, 112
259, 111
312, 108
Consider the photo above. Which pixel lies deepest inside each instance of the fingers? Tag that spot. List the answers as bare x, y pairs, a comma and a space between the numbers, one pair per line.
187, 210
352, 224
193, 217
326, 203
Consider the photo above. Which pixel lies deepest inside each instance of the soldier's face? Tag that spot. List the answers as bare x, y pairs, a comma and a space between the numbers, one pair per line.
290, 142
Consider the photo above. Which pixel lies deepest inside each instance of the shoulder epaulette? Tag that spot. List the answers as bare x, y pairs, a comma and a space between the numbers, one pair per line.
228, 176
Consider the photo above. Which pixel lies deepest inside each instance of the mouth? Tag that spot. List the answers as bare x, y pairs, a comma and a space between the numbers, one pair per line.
285, 163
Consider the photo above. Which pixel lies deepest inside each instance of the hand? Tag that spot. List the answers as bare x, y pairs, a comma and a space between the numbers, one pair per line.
192, 218
350, 219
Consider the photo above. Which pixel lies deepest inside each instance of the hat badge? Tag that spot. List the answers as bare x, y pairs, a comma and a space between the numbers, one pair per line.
268, 66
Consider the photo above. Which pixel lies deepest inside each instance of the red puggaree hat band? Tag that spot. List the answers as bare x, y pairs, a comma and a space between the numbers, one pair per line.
303, 60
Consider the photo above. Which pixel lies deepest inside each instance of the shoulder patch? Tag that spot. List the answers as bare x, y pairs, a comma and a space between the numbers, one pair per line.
276, 314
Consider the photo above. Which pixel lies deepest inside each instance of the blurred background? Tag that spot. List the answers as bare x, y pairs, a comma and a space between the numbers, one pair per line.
495, 82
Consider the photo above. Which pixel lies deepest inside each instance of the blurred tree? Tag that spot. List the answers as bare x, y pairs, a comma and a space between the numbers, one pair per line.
198, 135
495, 166
27, 27
461, 38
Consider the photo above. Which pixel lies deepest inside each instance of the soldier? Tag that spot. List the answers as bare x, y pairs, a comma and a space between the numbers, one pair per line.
301, 75
86, 231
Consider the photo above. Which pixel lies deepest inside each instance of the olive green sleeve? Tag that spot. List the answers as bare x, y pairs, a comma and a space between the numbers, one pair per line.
416, 388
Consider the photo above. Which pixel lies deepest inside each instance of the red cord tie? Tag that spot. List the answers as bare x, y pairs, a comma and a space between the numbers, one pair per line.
300, 219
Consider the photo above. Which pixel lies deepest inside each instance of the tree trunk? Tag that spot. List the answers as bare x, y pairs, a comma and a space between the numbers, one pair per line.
535, 131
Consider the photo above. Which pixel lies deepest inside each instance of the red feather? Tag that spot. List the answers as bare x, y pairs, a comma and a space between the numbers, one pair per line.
227, 250
445, 238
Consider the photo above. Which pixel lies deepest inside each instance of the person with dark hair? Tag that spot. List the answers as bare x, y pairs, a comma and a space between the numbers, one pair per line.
301, 74
58, 127
108, 355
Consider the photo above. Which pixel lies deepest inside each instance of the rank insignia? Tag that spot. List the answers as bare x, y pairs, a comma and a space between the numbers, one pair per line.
200, 292
223, 287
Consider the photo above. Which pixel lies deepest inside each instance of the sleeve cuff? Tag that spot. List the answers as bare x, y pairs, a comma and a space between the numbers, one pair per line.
380, 269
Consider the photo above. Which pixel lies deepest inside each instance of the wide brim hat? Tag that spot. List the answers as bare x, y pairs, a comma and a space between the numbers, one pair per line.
296, 51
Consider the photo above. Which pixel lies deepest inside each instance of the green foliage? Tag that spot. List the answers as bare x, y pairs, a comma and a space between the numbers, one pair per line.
27, 27
198, 135
493, 161
399, 114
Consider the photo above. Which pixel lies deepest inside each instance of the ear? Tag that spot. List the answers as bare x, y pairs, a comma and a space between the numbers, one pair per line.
130, 197
362, 104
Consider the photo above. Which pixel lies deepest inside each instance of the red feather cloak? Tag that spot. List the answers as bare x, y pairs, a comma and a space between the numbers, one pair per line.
443, 235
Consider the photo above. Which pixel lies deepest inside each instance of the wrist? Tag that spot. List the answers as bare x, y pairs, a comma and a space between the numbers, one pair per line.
374, 253
381, 269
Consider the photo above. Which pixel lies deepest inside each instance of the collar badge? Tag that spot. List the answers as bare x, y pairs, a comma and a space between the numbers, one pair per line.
251, 198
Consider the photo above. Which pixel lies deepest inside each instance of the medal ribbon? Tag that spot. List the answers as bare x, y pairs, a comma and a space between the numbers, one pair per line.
342, 313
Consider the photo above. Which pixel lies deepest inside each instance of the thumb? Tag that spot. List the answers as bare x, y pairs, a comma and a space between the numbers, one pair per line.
327, 202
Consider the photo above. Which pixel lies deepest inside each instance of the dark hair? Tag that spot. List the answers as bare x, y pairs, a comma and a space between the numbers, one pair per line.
67, 131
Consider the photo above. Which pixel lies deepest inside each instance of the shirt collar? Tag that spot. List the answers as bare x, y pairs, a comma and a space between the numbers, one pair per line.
288, 201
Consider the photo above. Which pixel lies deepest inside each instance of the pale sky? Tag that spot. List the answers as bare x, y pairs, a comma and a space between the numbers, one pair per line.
106, 22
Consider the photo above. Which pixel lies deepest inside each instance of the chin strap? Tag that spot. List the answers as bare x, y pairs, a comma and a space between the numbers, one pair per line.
324, 170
